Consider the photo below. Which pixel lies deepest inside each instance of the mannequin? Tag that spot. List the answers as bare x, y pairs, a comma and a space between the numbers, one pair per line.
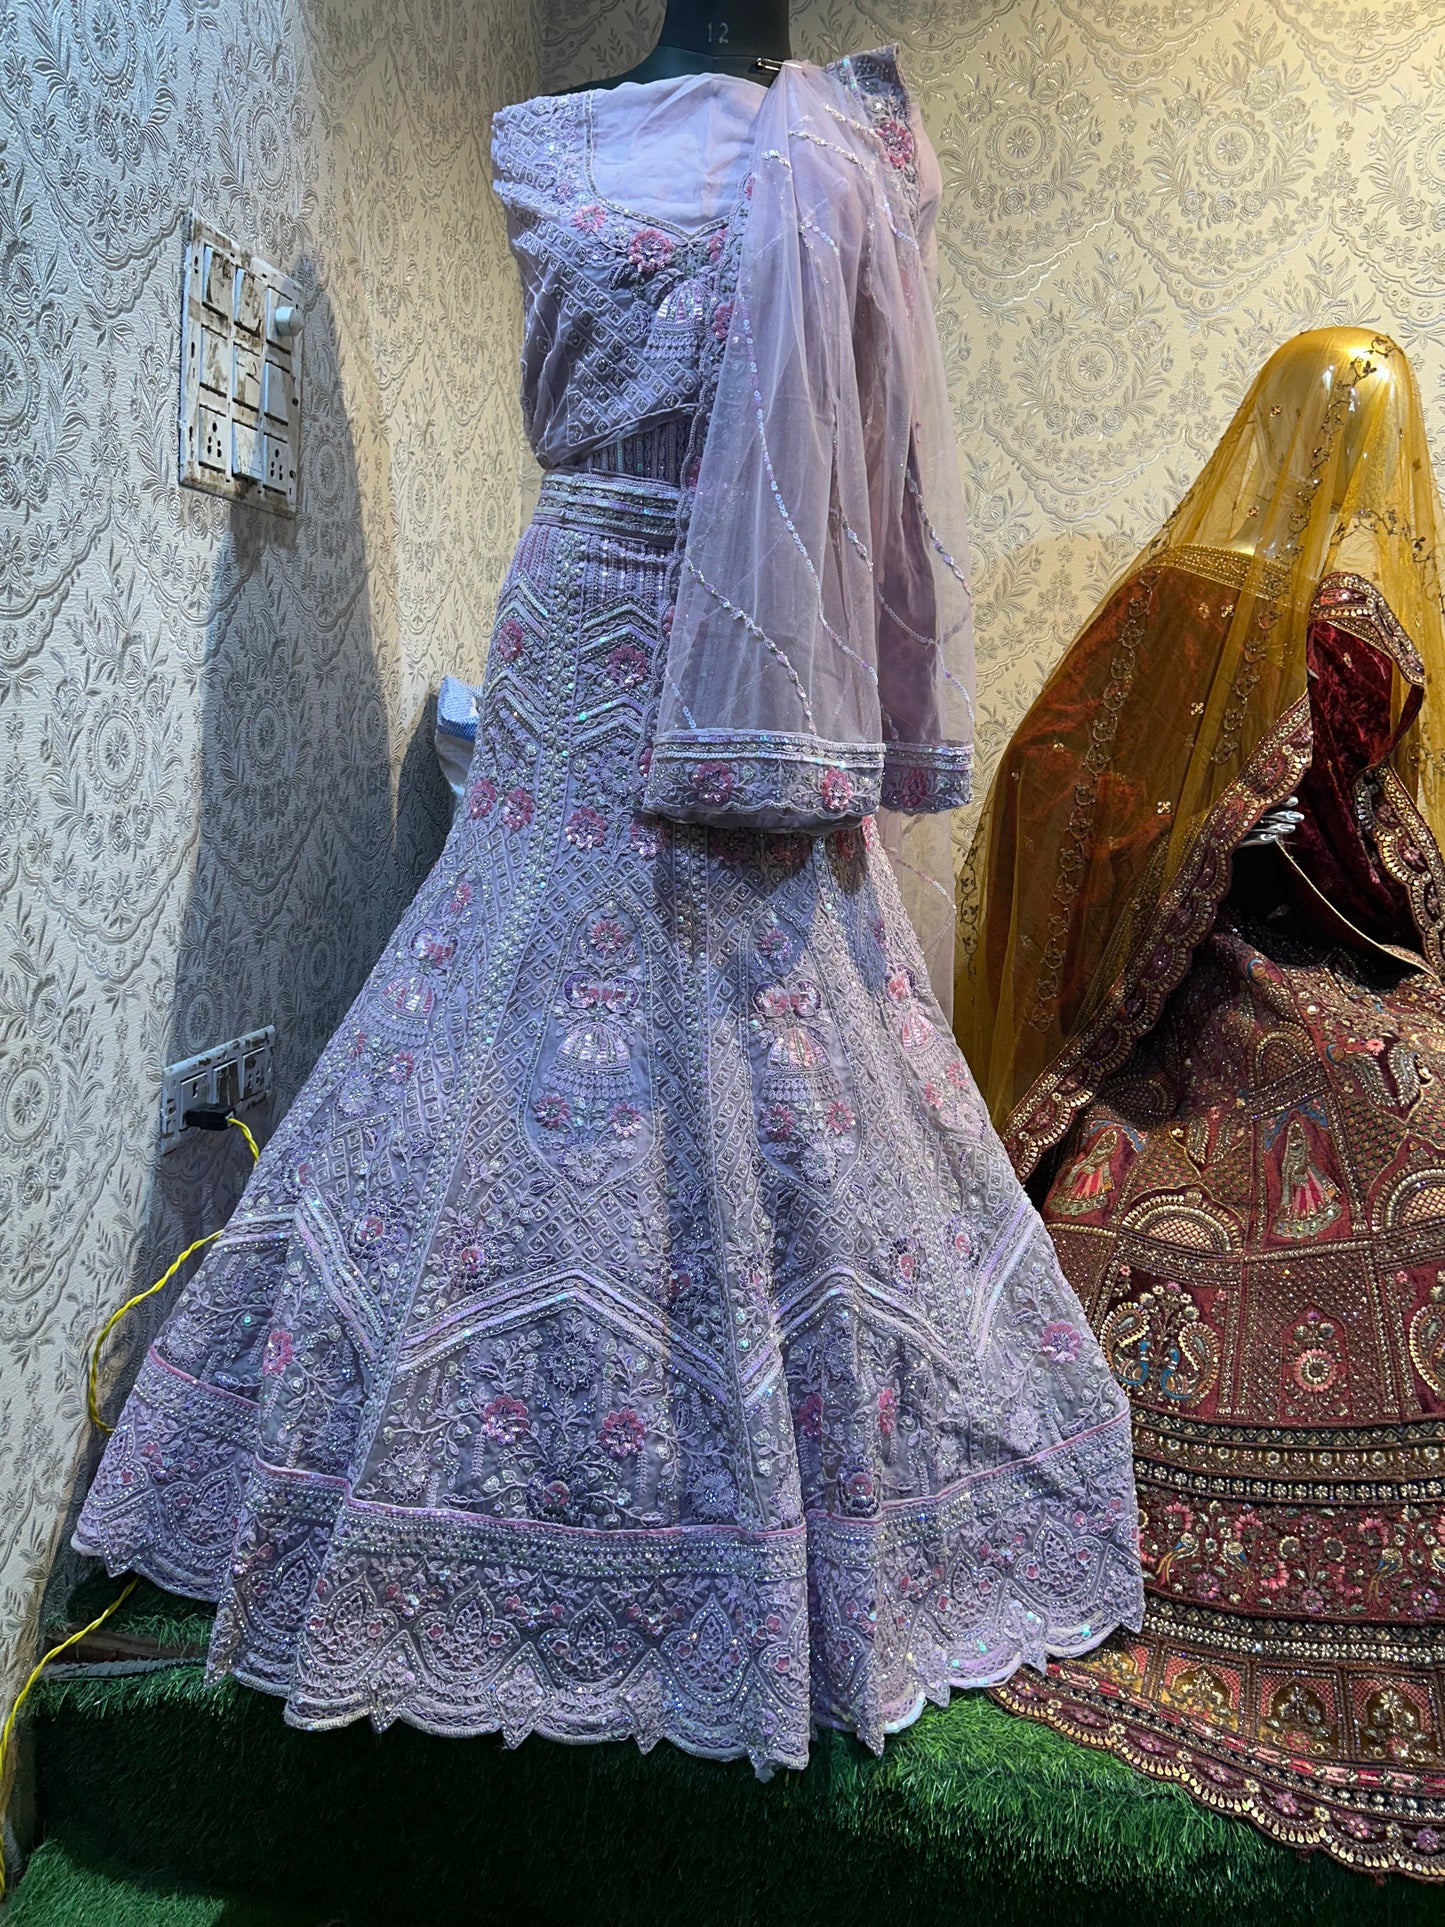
744, 37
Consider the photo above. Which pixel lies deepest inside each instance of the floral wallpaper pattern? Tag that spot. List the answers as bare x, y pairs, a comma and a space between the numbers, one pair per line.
216, 785
217, 790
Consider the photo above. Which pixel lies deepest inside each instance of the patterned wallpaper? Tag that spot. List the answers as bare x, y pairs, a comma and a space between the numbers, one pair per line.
217, 790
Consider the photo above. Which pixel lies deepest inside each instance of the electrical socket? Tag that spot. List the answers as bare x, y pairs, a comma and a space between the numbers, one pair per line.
212, 437
236, 1076
278, 462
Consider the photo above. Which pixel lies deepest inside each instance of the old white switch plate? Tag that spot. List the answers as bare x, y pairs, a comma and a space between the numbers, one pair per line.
240, 375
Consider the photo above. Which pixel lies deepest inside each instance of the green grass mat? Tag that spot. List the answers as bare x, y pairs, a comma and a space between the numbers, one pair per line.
971, 1816
62, 1891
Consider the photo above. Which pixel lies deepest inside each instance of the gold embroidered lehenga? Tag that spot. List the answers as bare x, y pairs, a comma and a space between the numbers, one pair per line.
1222, 1057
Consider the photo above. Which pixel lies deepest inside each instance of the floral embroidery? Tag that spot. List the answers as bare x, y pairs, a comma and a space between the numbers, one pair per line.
510, 640
592, 1076
802, 1082
278, 1354
481, 797
1061, 1341
586, 829
518, 808
722, 317
712, 782
623, 1433
649, 250
897, 142
504, 1420
627, 666
589, 218
836, 789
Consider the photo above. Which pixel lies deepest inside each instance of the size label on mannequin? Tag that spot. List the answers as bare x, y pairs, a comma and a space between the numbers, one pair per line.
718, 33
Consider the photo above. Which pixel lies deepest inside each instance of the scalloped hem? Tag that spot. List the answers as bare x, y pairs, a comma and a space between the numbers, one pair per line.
941, 1693
1401, 1835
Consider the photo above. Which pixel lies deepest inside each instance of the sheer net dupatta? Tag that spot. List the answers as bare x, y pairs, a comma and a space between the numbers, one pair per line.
1182, 713
820, 661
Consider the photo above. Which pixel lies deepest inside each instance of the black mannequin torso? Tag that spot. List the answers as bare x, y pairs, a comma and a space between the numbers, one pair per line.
747, 37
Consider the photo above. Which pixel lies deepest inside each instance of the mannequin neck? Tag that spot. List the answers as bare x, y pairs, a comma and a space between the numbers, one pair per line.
747, 37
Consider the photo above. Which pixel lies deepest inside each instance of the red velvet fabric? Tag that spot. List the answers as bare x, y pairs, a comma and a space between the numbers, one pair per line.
1350, 685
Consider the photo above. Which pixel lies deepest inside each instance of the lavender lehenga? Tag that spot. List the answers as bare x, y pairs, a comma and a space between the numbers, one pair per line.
635, 1326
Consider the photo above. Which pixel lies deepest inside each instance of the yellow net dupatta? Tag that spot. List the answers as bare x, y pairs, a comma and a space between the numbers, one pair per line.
1181, 714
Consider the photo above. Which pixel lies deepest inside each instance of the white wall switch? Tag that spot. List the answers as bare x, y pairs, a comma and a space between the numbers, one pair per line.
240, 401
229, 1077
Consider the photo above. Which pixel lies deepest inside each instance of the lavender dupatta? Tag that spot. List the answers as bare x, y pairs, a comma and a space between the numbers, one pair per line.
820, 662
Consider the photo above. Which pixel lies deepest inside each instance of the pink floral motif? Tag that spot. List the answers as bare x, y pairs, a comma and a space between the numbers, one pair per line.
1061, 1341
899, 985
622, 1433
518, 809
369, 1227
647, 838
840, 1117
722, 317
779, 1124
713, 782
278, 1353
511, 640
626, 666
715, 246
586, 829
887, 1411
504, 1420
809, 1420
913, 788
625, 1119
430, 948
836, 787
552, 1111
649, 250
588, 218
483, 795
897, 142
461, 897
860, 1489
608, 937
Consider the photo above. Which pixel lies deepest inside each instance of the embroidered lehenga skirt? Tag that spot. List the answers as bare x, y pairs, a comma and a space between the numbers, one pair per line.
1253, 1212
635, 1327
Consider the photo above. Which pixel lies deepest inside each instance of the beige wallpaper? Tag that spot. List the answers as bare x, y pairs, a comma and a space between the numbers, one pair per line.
215, 787
217, 790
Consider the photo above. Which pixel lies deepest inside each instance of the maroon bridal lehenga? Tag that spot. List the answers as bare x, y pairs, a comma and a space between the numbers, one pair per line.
1242, 1105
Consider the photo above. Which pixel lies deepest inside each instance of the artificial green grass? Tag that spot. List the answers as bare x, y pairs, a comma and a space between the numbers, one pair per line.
62, 1891
970, 1816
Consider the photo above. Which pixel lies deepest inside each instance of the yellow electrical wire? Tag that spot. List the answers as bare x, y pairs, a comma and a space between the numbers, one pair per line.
165, 1278
7, 1730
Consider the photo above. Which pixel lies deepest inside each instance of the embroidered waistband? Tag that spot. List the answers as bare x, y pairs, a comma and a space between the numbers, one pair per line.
630, 507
